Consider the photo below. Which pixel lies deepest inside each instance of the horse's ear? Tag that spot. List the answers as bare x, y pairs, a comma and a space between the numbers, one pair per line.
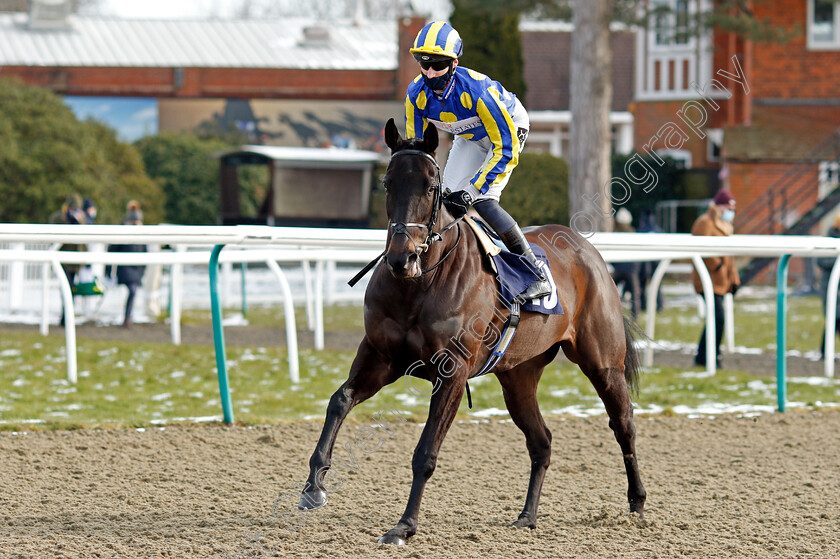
430, 137
392, 135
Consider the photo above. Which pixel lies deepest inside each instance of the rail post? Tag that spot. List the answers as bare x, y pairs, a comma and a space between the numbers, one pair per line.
219, 335
781, 331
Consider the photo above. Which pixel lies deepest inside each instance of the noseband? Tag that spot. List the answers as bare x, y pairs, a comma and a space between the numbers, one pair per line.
402, 228
432, 236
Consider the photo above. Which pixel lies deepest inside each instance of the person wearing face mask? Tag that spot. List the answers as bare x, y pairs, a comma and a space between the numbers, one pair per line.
90, 211
717, 221
490, 126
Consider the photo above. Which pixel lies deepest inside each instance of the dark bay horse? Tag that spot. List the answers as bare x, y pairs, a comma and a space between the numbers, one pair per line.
431, 312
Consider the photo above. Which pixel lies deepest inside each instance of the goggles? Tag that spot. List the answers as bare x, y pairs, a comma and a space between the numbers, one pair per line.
437, 64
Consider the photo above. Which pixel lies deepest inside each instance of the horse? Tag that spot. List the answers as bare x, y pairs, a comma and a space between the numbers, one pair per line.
430, 309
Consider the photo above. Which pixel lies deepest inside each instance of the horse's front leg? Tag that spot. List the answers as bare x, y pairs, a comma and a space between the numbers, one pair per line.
368, 374
442, 410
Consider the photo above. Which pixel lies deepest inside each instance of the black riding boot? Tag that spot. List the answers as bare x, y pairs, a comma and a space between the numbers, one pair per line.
495, 216
516, 242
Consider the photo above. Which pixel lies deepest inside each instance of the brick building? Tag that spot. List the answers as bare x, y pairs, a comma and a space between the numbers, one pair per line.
245, 73
764, 114
300, 82
292, 81
546, 50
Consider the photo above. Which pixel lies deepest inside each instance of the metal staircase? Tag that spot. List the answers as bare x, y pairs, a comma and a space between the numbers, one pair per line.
777, 211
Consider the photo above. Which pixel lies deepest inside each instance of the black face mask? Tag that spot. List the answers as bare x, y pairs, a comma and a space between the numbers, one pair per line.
439, 83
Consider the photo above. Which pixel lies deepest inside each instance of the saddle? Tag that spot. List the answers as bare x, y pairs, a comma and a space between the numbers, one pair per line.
513, 272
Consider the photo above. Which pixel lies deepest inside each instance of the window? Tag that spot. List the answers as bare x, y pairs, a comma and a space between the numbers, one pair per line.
829, 175
671, 25
714, 143
824, 24
660, 23
681, 157
681, 31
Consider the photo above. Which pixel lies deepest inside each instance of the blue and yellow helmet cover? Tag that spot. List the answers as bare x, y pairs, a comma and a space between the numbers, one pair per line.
438, 37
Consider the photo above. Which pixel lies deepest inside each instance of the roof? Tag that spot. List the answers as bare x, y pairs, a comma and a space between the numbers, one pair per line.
546, 51
308, 157
251, 43
563, 26
780, 133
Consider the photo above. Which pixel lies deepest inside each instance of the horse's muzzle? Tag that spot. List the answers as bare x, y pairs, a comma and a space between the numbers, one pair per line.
403, 265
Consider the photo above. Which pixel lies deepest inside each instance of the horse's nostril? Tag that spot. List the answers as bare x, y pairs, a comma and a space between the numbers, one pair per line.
396, 262
400, 264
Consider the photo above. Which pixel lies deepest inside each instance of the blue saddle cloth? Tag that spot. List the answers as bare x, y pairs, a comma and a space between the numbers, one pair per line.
515, 274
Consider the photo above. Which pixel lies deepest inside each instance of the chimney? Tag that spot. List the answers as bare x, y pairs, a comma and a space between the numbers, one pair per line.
407, 68
359, 13
315, 36
49, 14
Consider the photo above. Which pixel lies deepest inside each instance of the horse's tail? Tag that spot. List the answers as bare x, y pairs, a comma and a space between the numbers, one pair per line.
632, 363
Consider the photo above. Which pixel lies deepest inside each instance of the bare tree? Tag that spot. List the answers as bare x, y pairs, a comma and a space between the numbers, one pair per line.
590, 96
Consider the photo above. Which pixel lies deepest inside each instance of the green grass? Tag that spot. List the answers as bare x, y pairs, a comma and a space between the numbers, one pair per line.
755, 324
336, 317
134, 384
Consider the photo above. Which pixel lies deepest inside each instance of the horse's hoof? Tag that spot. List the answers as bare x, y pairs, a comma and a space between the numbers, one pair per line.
311, 500
524, 522
638, 508
392, 539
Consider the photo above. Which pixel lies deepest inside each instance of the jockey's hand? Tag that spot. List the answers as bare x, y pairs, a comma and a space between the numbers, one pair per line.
458, 203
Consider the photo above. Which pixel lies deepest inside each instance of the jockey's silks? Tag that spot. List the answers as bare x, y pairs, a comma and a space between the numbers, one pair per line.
474, 107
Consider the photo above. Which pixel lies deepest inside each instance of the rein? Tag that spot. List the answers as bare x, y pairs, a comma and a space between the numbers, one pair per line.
401, 228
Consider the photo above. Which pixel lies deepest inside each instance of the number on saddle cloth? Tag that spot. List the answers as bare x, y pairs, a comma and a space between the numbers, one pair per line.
515, 273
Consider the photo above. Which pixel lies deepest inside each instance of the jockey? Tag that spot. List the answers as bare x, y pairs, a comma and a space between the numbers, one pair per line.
490, 126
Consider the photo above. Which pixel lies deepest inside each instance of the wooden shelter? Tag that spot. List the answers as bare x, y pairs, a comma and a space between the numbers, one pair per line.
316, 187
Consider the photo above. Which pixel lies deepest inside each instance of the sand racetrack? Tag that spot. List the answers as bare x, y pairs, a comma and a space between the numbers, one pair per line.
723, 487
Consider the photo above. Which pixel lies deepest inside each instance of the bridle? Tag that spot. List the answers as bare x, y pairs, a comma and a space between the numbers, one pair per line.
432, 236
401, 228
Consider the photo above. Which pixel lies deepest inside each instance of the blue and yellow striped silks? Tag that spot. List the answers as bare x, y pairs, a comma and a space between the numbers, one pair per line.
438, 37
474, 107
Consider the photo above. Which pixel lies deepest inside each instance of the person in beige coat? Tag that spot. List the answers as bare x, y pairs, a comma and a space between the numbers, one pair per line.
717, 221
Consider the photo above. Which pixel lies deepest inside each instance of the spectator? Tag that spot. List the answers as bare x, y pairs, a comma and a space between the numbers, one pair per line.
70, 213
130, 276
647, 224
626, 274
826, 263
90, 211
717, 221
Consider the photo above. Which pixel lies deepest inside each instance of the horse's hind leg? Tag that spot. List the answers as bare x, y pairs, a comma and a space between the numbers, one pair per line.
611, 386
520, 390
367, 375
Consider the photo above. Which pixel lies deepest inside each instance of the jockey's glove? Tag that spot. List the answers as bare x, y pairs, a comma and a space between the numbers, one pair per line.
458, 203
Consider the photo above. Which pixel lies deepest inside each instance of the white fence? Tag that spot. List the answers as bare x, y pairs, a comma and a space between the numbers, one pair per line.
304, 245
